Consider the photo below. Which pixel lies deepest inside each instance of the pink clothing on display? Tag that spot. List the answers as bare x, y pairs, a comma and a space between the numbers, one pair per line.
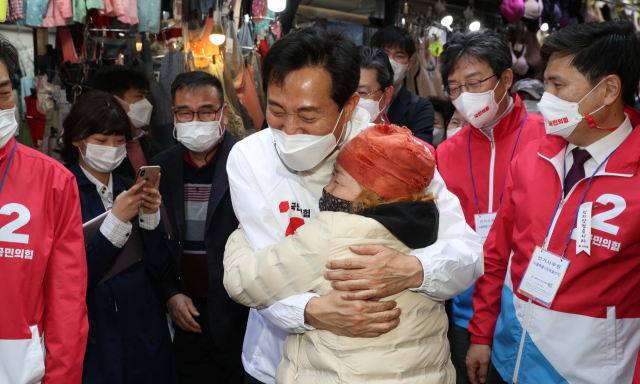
57, 13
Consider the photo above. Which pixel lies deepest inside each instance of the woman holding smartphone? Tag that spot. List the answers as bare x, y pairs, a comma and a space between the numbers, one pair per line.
129, 339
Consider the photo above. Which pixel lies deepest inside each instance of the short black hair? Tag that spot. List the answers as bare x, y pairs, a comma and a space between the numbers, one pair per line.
9, 54
445, 107
315, 47
196, 80
118, 79
485, 45
375, 58
394, 37
95, 112
599, 50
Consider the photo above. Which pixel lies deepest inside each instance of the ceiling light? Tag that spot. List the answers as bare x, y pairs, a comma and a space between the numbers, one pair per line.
447, 21
544, 27
217, 36
276, 5
475, 26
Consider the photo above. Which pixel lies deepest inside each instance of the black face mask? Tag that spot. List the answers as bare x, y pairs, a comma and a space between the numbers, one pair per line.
328, 202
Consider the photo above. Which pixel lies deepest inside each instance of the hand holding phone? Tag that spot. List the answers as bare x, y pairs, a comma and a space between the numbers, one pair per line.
149, 174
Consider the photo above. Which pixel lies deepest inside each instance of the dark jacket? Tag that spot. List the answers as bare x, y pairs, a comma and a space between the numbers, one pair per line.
129, 339
422, 122
149, 147
228, 319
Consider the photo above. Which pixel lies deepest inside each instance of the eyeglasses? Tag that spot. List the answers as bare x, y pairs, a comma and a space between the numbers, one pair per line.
184, 116
365, 95
473, 86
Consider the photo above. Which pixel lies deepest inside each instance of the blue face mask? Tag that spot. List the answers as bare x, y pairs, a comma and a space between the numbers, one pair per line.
330, 203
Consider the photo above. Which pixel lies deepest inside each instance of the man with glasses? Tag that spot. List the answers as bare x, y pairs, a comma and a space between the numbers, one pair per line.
209, 326
477, 75
404, 108
376, 83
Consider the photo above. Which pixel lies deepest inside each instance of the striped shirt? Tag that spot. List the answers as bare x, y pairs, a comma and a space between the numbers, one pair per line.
197, 190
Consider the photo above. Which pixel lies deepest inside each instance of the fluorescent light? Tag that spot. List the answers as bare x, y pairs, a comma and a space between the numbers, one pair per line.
475, 26
447, 21
544, 27
276, 5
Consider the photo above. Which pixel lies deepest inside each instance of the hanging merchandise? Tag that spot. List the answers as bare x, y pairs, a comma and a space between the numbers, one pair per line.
245, 36
591, 13
148, 15
36, 11
36, 121
15, 12
126, 11
429, 79
246, 90
172, 66
533, 9
518, 59
57, 13
254, 64
45, 97
513, 10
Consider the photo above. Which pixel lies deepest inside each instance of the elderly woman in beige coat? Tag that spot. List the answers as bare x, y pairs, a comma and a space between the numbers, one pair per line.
376, 196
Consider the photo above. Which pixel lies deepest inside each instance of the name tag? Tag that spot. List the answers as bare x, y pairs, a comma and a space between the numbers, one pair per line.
583, 242
484, 221
543, 277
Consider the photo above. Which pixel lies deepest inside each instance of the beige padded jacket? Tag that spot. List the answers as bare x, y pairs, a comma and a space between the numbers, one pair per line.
417, 351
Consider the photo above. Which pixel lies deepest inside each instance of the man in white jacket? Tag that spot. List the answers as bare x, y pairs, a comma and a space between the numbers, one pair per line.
276, 178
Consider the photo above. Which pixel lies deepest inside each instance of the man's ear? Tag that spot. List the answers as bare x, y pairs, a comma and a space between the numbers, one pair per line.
409, 66
225, 119
350, 106
388, 95
613, 89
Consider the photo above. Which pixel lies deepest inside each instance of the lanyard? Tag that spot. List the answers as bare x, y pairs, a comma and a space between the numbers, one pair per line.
473, 185
8, 164
575, 219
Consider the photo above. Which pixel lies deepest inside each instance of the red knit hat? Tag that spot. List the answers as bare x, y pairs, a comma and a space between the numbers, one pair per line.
387, 160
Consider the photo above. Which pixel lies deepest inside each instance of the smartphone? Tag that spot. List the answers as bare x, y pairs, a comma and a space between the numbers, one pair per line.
149, 174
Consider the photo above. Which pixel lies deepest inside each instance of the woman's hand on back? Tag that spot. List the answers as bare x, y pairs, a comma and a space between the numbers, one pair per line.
126, 205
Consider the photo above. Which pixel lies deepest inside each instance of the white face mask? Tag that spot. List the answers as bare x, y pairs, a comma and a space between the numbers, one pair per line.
372, 106
438, 136
8, 125
399, 70
303, 152
451, 132
139, 112
199, 136
103, 158
561, 117
479, 109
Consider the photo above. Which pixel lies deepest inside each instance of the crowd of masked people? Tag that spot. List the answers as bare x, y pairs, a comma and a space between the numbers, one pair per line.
369, 235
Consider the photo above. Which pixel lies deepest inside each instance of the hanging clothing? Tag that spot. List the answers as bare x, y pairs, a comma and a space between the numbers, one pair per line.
36, 10
36, 121
57, 13
14, 11
3, 10
235, 126
172, 66
148, 15
246, 89
25, 57
126, 11
254, 63
245, 37
263, 48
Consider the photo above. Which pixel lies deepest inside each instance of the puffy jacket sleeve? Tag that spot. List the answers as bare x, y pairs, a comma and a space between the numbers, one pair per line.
454, 262
65, 284
497, 250
262, 229
293, 266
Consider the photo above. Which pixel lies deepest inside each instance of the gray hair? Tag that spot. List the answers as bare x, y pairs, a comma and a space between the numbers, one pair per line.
375, 58
9, 54
485, 45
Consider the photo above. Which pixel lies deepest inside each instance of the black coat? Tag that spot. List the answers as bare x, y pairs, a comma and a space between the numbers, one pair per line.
228, 319
129, 339
422, 122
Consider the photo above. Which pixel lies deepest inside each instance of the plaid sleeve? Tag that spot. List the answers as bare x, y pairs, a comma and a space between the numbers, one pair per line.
148, 221
115, 230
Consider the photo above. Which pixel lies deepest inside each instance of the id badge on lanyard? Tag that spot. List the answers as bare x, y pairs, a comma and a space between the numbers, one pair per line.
543, 277
484, 221
546, 270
